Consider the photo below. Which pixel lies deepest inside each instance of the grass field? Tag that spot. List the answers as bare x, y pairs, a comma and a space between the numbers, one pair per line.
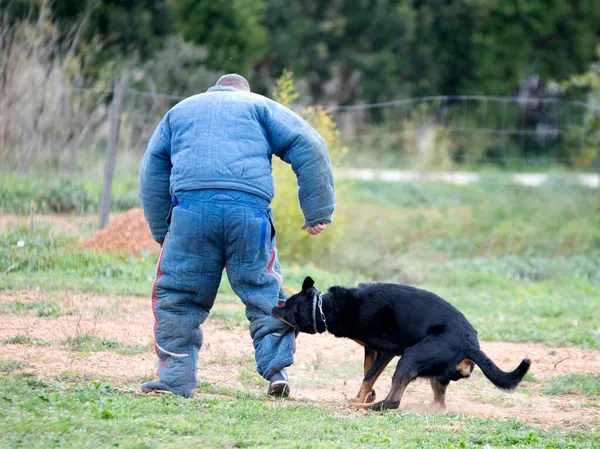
522, 264
39, 414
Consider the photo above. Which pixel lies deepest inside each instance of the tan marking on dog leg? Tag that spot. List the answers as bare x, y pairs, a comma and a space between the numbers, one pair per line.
439, 394
366, 392
393, 397
369, 360
465, 367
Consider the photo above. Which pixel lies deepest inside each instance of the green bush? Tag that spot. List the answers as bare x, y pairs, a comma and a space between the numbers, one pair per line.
58, 196
293, 243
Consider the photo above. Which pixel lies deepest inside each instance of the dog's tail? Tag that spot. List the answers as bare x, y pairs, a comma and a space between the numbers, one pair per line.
502, 379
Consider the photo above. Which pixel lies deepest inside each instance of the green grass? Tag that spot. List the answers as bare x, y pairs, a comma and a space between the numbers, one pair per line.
587, 384
390, 225
35, 414
7, 366
86, 342
64, 195
51, 261
560, 311
45, 309
230, 318
26, 340
531, 378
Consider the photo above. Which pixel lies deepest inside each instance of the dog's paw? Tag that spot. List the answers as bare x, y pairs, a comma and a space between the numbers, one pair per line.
372, 396
364, 399
384, 405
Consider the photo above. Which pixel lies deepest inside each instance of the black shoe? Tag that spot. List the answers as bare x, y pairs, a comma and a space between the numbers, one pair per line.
279, 385
158, 386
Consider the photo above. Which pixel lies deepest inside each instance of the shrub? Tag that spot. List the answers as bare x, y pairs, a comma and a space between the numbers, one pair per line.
60, 196
292, 242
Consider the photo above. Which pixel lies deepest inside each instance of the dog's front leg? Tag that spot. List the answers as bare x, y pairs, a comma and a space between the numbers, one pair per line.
380, 361
366, 393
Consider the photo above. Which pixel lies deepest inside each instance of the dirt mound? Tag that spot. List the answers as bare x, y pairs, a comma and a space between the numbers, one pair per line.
129, 233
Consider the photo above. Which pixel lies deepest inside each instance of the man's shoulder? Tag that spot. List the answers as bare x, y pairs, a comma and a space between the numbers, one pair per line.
243, 97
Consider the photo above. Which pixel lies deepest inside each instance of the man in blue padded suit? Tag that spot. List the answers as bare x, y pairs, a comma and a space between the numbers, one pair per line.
205, 188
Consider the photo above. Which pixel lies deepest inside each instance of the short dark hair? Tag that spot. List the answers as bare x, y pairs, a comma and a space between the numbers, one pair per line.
234, 80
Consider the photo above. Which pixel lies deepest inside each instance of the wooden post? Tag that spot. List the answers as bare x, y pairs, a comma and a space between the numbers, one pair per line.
112, 147
32, 217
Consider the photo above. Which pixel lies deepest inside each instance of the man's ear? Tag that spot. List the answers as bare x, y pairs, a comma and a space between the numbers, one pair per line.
308, 283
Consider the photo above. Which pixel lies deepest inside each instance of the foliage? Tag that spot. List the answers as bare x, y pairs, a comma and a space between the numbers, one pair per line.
56, 196
177, 68
232, 31
374, 51
293, 243
120, 33
46, 119
349, 51
588, 153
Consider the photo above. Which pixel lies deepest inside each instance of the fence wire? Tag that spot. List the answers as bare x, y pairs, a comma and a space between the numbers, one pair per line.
66, 129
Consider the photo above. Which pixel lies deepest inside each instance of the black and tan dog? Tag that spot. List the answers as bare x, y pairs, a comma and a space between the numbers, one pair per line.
434, 339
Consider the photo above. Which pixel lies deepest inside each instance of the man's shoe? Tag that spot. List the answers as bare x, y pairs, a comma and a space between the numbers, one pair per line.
158, 386
279, 385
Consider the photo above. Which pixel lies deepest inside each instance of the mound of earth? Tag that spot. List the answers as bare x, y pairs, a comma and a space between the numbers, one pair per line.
129, 233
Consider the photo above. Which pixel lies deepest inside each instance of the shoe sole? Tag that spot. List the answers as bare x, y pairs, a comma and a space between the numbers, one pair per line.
149, 390
186, 395
279, 389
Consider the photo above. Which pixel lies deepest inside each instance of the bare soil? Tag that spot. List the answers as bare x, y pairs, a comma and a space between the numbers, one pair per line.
127, 233
327, 371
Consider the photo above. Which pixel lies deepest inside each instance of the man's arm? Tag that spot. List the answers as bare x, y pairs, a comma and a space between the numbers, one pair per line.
298, 144
155, 172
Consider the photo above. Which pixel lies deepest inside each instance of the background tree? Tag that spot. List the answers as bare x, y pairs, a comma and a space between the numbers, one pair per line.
232, 31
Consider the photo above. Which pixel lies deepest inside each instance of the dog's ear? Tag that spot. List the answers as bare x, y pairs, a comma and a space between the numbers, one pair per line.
308, 283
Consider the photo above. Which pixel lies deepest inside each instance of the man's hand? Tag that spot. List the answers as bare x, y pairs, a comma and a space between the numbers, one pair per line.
316, 229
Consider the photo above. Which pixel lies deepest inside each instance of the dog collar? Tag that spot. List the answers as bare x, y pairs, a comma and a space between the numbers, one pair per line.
318, 302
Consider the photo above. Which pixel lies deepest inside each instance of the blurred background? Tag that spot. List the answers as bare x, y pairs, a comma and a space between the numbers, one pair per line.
464, 135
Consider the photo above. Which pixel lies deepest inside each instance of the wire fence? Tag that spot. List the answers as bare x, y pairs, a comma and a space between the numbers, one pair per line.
443, 131
66, 129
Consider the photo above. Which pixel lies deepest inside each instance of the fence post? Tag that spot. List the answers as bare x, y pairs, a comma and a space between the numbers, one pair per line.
112, 147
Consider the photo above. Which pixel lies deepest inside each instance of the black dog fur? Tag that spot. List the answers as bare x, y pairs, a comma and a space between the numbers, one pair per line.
434, 339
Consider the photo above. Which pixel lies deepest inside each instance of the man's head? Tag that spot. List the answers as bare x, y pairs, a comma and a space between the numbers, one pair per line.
234, 80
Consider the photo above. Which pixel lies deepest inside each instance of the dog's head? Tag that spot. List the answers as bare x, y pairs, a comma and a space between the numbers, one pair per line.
297, 311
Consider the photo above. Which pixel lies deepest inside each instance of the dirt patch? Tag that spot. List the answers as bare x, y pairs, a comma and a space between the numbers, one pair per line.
129, 233
327, 370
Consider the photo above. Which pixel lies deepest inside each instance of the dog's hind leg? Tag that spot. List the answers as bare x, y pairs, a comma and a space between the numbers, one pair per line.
379, 363
419, 359
439, 385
